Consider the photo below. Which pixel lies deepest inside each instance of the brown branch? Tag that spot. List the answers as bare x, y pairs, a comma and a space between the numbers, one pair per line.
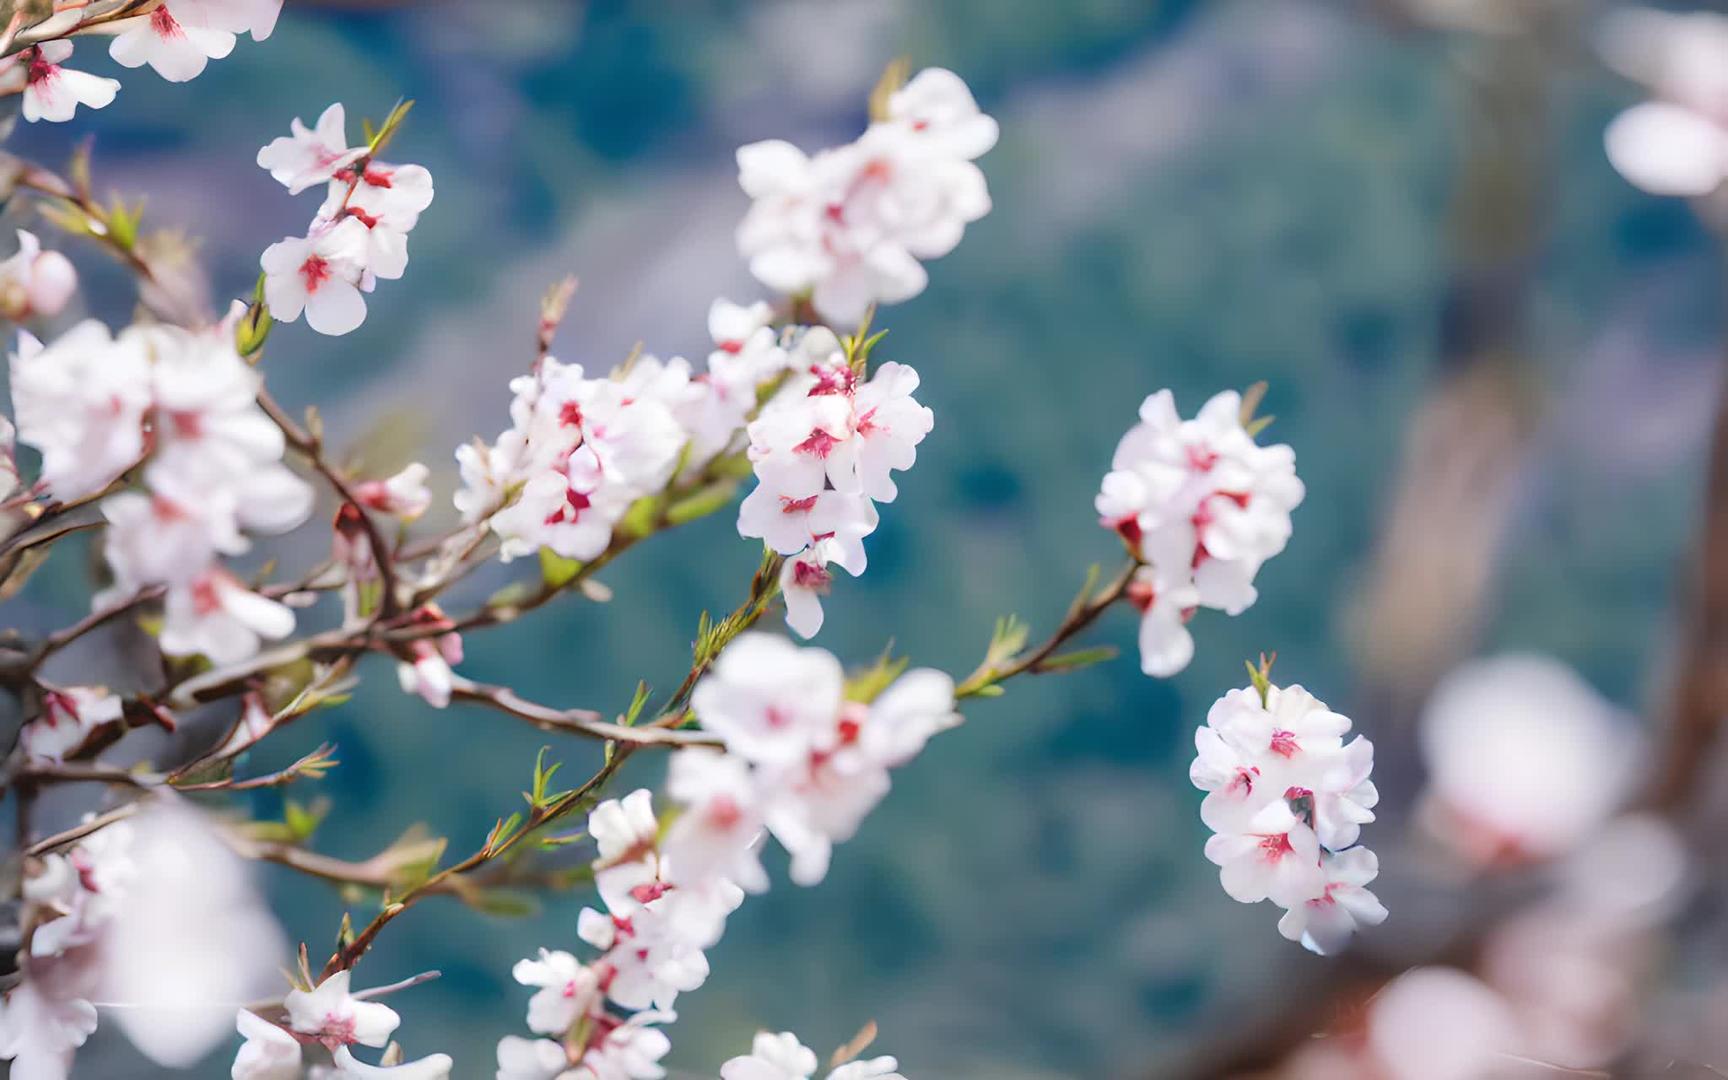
1083, 613
584, 722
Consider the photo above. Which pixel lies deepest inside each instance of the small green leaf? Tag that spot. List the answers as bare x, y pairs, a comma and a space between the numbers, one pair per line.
1079, 658
556, 570
704, 501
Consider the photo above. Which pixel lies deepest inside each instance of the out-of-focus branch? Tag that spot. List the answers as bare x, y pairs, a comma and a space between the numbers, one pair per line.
1700, 695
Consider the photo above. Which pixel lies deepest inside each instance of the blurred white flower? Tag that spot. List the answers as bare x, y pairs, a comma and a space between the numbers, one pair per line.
1525, 760
192, 937
81, 401
269, 1053
1676, 144
35, 283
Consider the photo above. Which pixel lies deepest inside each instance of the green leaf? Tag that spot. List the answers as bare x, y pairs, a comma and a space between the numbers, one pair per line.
868, 684
556, 570
704, 501
1079, 658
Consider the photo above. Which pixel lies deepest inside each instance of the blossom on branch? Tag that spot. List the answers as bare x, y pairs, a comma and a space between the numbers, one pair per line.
849, 225
1286, 800
51, 91
1204, 506
823, 450
783, 1057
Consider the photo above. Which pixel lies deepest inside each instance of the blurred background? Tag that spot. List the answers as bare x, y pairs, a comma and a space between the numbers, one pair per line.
1498, 363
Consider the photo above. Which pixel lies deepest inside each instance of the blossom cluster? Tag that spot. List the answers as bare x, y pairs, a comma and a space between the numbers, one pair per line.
330, 1016
177, 38
579, 452
69, 902
783, 1057
182, 405
359, 234
848, 225
1286, 801
823, 451
800, 762
1203, 506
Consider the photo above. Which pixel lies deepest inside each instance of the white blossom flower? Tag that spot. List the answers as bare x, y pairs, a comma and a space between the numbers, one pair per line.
35, 283
320, 275
1205, 506
579, 452
387, 201
176, 39
402, 495
432, 1067
51, 91
78, 894
1286, 798
771, 701
629, 1051
878, 1068
336, 1018
1525, 760
772, 1057
216, 616
533, 1059
648, 962
311, 156
718, 833
69, 716
1676, 144
850, 224
269, 1052
254, 17
81, 402
39, 1033
1325, 923
569, 989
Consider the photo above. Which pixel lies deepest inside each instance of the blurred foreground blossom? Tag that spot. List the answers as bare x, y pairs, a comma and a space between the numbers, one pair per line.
1676, 144
1525, 760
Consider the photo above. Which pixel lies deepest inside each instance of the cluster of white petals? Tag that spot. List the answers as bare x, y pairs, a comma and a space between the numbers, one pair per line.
824, 450
783, 1057
359, 235
181, 404
849, 225
1677, 143
800, 762
1286, 799
579, 451
69, 901
177, 38
1204, 506
335, 1018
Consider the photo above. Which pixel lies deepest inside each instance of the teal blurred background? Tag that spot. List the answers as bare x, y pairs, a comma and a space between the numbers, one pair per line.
1187, 194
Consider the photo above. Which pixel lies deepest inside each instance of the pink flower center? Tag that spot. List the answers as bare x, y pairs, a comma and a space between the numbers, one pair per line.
315, 271
1274, 848
205, 599
724, 814
1284, 743
187, 423
789, 505
820, 444
164, 25
810, 575
39, 69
